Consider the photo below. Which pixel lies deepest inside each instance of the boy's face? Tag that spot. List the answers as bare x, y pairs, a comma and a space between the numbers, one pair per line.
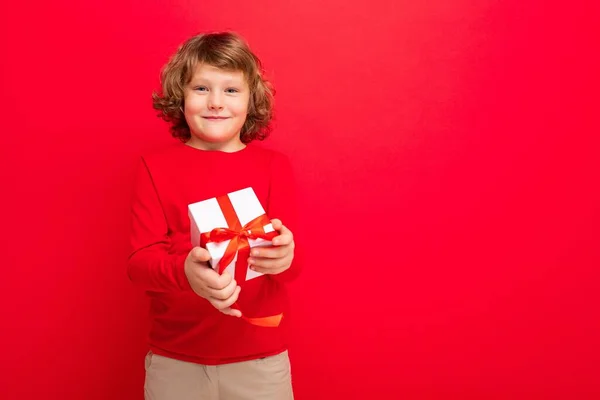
215, 108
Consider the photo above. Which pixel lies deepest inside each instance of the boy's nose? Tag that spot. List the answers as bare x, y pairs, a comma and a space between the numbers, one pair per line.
215, 102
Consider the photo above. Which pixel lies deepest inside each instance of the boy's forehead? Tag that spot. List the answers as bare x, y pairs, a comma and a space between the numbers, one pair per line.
210, 72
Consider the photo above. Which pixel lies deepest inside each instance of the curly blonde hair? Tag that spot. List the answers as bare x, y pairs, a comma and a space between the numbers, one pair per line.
224, 50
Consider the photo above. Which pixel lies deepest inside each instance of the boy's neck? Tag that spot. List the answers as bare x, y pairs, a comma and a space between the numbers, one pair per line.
230, 147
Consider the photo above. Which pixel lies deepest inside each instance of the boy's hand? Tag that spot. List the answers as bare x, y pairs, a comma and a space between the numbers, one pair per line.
220, 290
277, 258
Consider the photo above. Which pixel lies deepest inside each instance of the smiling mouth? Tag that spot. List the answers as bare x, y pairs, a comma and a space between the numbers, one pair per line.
215, 118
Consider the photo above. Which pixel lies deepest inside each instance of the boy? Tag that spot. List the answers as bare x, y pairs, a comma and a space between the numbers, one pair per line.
217, 101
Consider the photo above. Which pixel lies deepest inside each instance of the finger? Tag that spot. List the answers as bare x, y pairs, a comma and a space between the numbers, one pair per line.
200, 255
224, 279
285, 237
225, 293
266, 264
223, 304
232, 311
271, 271
270, 252
276, 223
212, 279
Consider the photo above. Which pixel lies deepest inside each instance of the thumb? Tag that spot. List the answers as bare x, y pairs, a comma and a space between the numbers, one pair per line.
199, 254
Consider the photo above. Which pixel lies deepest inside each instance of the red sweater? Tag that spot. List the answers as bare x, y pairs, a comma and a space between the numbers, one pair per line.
183, 325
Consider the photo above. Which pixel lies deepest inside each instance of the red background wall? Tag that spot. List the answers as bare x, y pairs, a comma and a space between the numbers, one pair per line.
447, 156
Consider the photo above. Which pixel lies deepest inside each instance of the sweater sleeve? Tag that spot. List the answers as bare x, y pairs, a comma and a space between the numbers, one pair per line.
151, 265
283, 205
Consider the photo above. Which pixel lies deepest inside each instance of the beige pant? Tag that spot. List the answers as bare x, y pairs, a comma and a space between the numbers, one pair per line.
265, 379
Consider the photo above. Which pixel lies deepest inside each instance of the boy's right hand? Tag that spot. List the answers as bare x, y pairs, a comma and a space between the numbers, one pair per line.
220, 290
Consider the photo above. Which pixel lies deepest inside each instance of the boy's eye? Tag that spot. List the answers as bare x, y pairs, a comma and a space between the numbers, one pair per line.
201, 88
232, 90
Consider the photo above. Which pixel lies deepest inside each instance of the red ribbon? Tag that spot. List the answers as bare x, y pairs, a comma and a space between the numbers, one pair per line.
238, 236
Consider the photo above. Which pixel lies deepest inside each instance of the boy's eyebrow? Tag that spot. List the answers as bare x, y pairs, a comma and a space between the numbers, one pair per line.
226, 82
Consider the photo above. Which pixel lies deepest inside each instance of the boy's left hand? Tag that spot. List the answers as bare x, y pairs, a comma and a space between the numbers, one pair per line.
277, 258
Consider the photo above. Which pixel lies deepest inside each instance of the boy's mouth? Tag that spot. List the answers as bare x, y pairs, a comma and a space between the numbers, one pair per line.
215, 118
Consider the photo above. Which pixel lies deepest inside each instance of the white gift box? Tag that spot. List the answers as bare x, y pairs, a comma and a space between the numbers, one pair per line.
207, 215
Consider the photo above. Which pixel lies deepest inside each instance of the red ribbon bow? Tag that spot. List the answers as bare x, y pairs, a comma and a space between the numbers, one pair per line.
238, 236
